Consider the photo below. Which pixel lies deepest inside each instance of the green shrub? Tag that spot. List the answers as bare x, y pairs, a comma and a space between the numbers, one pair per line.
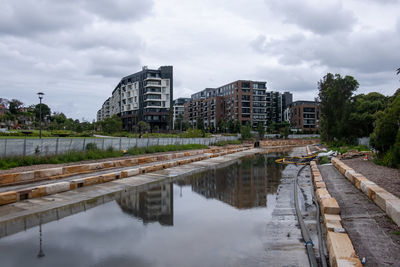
224, 143
246, 132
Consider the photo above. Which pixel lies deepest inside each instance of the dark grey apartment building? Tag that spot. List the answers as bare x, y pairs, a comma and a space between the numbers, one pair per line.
143, 96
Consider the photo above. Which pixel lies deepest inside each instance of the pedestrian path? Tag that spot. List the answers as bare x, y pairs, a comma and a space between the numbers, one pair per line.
371, 231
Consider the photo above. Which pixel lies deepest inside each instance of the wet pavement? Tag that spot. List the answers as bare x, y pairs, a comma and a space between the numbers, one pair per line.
283, 242
372, 233
240, 213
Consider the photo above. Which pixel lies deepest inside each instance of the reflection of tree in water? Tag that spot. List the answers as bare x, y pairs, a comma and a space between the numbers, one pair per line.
155, 204
244, 184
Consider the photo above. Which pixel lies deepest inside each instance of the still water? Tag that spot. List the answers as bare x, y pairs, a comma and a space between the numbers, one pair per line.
213, 218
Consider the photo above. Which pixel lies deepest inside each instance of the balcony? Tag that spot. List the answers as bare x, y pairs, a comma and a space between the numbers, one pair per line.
148, 84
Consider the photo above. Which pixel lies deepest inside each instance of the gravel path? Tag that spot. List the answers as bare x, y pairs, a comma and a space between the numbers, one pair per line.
385, 177
372, 233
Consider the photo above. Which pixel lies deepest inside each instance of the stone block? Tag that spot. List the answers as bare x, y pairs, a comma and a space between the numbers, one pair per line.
167, 165
365, 184
329, 206
76, 169
349, 174
349, 262
57, 188
332, 225
317, 178
320, 185
46, 173
187, 154
39, 191
331, 217
358, 178
130, 172
8, 178
80, 182
95, 166
25, 176
393, 210
91, 180
8, 197
108, 164
322, 193
381, 198
109, 177
340, 248
373, 189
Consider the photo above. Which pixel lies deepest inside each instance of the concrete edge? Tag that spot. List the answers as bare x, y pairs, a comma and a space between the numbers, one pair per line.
62, 172
389, 203
340, 248
53, 188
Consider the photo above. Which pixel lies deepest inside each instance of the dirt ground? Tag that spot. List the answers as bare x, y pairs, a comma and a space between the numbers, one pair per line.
385, 177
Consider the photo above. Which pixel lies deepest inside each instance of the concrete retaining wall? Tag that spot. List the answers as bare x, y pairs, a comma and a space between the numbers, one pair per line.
53, 146
340, 247
382, 198
49, 189
61, 172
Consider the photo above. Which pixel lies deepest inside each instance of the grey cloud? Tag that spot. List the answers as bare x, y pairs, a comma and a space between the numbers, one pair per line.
318, 18
112, 63
119, 10
26, 18
31, 17
363, 52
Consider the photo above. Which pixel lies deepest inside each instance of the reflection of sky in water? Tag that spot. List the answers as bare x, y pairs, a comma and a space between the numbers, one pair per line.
205, 232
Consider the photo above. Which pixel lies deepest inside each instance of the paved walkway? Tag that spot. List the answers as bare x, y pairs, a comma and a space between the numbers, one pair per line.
284, 244
371, 231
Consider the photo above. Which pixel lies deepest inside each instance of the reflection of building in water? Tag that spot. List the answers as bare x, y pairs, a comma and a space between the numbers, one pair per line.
242, 185
153, 205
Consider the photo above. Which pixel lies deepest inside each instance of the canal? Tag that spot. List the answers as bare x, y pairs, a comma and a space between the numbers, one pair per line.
214, 218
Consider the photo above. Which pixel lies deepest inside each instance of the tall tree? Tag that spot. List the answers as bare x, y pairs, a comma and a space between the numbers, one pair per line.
111, 125
335, 94
387, 126
45, 111
14, 106
363, 115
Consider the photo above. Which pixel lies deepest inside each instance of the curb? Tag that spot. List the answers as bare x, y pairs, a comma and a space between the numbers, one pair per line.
388, 202
340, 247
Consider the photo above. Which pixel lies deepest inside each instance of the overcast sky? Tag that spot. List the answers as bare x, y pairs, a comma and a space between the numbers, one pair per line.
76, 51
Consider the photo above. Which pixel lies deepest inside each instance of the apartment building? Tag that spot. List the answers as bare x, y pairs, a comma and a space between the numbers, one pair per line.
206, 110
104, 112
242, 100
303, 116
143, 96
179, 109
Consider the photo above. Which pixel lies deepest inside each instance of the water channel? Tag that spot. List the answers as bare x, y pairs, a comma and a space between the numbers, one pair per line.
213, 218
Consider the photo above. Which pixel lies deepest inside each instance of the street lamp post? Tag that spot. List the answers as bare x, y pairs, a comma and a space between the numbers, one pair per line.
40, 94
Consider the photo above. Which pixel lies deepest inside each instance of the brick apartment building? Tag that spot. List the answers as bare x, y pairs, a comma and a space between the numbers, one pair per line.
143, 96
245, 101
303, 116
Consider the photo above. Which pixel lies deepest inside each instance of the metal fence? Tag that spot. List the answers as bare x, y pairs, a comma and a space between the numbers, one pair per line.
54, 146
